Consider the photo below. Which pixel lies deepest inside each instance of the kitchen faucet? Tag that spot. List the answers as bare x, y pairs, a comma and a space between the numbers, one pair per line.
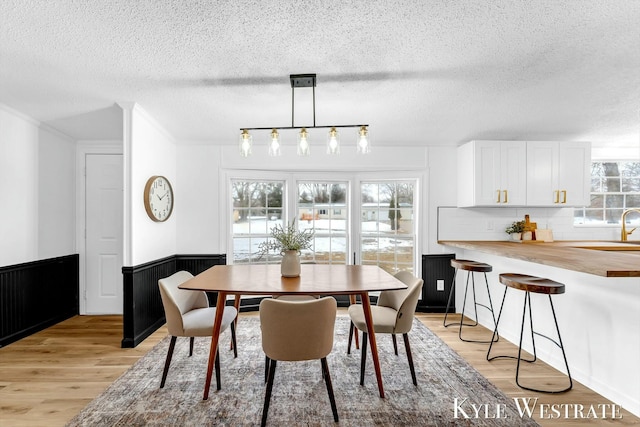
624, 233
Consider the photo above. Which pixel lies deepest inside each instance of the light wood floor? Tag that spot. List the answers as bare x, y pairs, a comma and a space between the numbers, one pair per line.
49, 377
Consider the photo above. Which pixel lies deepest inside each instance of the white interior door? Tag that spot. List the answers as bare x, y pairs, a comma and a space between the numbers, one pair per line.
103, 214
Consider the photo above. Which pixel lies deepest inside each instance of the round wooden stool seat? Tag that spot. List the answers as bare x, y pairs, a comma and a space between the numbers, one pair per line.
465, 264
538, 285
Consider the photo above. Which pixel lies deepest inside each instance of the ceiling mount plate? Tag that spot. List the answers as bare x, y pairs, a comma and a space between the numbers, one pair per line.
303, 80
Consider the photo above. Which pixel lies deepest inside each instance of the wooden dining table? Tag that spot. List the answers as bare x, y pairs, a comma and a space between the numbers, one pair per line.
314, 279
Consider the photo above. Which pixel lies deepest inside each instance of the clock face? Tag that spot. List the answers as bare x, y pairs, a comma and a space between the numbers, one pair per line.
158, 198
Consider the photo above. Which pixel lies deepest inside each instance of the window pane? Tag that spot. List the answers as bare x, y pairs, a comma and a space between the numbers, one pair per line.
611, 185
611, 169
614, 200
633, 201
257, 207
631, 185
322, 207
594, 215
597, 201
615, 186
386, 225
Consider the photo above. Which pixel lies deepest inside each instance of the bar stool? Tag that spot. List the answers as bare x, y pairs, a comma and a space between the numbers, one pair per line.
470, 267
538, 285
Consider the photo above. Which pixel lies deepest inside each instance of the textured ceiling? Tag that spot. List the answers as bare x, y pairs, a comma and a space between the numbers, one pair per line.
419, 72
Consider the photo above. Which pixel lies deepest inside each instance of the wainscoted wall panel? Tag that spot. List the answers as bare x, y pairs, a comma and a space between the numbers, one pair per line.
143, 311
196, 264
435, 268
36, 295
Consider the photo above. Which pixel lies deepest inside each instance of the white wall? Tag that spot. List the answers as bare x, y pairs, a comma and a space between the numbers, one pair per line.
202, 218
37, 181
200, 203
148, 150
56, 195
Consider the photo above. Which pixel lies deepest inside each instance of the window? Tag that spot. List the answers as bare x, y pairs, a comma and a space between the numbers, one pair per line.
615, 186
316, 200
377, 226
257, 207
387, 226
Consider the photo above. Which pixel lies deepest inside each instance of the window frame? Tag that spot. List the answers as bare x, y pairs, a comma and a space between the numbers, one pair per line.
354, 182
603, 224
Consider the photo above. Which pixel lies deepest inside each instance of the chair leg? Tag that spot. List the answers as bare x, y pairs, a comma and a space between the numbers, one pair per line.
267, 395
327, 380
410, 358
172, 345
266, 368
351, 328
191, 346
217, 368
363, 361
395, 344
234, 343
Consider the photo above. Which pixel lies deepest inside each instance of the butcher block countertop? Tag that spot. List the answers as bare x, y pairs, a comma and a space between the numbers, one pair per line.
602, 258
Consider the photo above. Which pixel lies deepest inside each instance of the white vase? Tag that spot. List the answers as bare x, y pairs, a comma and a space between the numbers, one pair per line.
290, 265
516, 236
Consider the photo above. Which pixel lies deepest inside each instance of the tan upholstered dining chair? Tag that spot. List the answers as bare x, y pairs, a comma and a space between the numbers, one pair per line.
393, 314
297, 331
189, 315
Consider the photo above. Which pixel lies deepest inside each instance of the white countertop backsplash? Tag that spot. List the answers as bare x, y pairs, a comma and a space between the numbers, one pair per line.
489, 224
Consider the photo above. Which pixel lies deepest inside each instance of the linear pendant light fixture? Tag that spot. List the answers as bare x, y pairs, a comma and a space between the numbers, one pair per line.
363, 142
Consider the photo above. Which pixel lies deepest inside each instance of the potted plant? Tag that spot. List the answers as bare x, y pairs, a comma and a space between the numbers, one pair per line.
515, 230
287, 241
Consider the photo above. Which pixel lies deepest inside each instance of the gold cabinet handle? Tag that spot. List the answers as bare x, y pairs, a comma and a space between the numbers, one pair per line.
564, 196
557, 193
506, 197
498, 201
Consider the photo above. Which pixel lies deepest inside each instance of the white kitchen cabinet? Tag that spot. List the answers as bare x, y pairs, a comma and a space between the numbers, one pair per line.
492, 173
558, 173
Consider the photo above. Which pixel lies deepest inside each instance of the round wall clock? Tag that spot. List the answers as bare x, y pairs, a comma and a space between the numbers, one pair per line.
158, 198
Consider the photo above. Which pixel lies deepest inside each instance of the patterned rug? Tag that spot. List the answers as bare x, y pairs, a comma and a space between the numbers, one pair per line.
447, 388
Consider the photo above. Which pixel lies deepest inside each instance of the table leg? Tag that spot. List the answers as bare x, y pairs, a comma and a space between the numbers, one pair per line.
222, 296
236, 304
352, 300
366, 308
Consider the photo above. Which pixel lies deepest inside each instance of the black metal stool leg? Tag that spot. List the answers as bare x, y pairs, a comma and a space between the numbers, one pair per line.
525, 308
464, 304
451, 291
495, 332
493, 313
557, 343
475, 309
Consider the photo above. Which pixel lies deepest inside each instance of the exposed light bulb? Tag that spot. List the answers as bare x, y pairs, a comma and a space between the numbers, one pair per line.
245, 143
363, 146
333, 144
274, 145
303, 143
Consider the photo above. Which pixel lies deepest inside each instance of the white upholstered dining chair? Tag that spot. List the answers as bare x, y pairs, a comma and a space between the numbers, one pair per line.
188, 315
393, 314
297, 331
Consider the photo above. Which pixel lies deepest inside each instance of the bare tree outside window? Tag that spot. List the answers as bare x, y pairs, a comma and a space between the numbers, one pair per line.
615, 186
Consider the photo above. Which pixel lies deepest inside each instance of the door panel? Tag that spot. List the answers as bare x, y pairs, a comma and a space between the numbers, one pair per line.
103, 210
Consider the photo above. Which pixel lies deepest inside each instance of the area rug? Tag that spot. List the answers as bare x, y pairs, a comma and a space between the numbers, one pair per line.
448, 388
